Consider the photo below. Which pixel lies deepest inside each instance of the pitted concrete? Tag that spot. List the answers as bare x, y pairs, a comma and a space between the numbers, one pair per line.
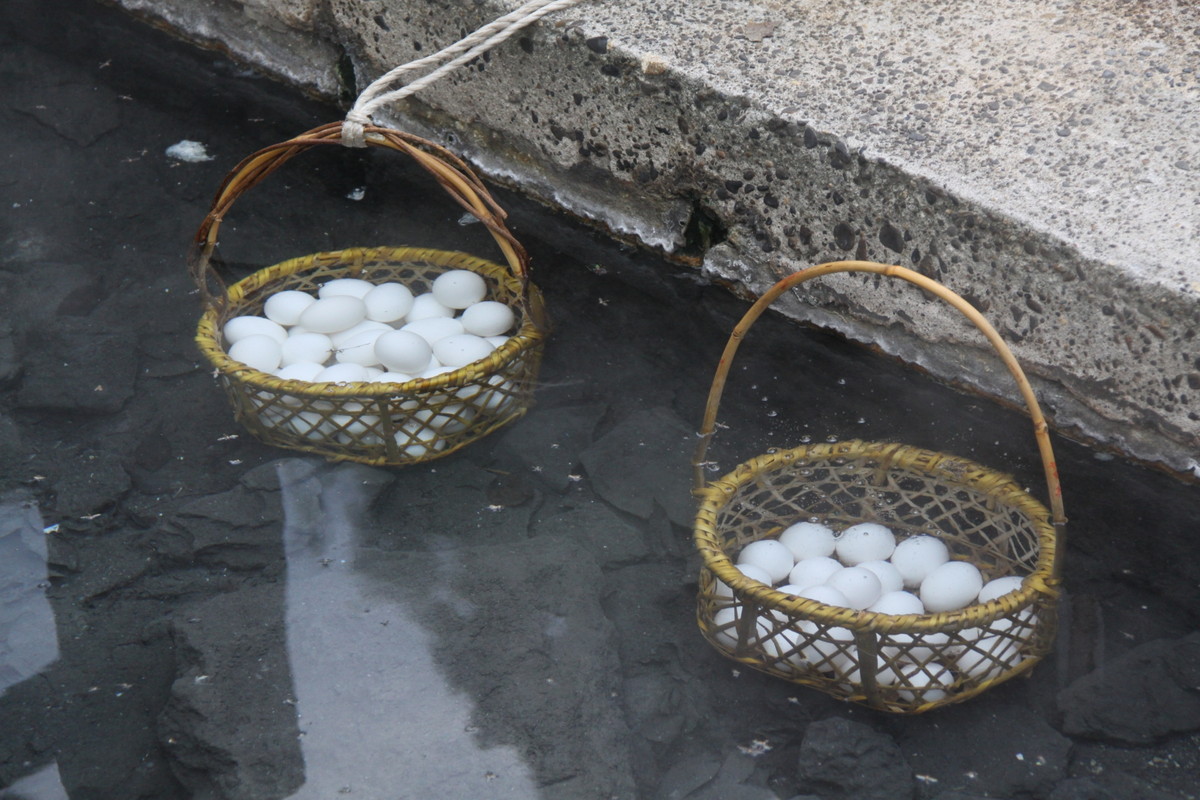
1040, 160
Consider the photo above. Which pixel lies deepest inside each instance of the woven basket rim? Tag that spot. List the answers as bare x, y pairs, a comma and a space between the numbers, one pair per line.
208, 335
967, 473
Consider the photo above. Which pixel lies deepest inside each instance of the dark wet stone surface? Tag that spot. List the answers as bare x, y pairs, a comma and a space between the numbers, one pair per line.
1145, 695
188, 613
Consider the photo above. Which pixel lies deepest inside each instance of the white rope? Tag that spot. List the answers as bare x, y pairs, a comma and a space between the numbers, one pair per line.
459, 53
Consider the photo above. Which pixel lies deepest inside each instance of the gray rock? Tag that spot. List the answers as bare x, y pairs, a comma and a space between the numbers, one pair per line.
235, 529
611, 539
688, 774
545, 680
1019, 753
841, 759
1110, 786
94, 480
1139, 698
445, 506
10, 362
57, 377
226, 736
626, 465
844, 759
549, 441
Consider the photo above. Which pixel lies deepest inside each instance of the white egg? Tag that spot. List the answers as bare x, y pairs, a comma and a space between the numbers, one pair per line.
829, 595
425, 306
726, 627
286, 306
341, 337
449, 419
860, 586
461, 349
417, 440
889, 576
831, 649
459, 288
359, 349
951, 586
924, 683
989, 657
917, 556
487, 318
257, 351
783, 647
866, 541
333, 314
300, 371
494, 398
849, 671
434, 329
808, 540
813, 571
238, 328
998, 588
342, 373
770, 555
388, 302
312, 347
435, 369
898, 602
918, 649
348, 287
310, 425
357, 425
722, 590
403, 351
391, 377
498, 341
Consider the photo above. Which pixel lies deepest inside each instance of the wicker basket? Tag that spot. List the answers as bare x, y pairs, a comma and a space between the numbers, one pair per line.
374, 423
897, 663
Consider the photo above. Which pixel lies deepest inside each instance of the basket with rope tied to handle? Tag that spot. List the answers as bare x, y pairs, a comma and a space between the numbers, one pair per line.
378, 423
474, 384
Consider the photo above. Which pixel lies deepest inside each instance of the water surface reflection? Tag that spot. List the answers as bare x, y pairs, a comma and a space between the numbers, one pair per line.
375, 715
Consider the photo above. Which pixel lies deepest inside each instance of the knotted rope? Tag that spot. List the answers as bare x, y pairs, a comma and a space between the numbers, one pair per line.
459, 53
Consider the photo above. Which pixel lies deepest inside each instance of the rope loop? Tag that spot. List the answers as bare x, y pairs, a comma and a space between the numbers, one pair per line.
498, 31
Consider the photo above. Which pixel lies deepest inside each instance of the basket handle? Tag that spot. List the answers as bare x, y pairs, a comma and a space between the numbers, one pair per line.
451, 173
1040, 429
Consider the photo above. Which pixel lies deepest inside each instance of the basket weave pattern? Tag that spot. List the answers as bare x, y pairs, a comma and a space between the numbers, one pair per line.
907, 663
982, 516
377, 423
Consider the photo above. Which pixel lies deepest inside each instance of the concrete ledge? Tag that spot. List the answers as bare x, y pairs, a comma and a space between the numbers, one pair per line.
1040, 161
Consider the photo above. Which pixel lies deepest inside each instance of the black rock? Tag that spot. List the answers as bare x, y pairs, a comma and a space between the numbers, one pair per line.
1139, 698
549, 441
90, 481
845, 760
626, 465
1000, 751
78, 370
1110, 786
225, 736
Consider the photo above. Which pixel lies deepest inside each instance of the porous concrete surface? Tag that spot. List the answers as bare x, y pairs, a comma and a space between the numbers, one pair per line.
1040, 159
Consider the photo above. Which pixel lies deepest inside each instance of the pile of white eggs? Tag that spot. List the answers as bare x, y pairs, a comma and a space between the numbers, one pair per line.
865, 568
354, 331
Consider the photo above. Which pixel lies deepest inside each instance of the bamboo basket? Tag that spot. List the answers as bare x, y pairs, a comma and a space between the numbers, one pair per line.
382, 424
897, 663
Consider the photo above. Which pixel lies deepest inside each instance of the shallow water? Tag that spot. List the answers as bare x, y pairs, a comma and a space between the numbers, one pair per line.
188, 613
